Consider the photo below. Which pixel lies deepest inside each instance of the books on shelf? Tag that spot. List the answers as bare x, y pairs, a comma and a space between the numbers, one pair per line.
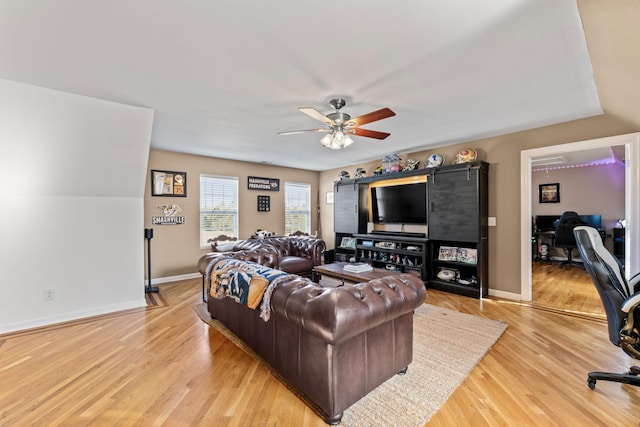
358, 267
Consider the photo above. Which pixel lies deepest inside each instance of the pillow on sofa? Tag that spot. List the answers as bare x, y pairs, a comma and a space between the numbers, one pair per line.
224, 246
222, 243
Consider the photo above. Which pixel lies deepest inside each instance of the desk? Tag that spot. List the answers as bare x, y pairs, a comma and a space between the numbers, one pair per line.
550, 236
537, 241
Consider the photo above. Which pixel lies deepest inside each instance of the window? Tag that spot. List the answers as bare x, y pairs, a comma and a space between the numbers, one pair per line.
218, 207
297, 208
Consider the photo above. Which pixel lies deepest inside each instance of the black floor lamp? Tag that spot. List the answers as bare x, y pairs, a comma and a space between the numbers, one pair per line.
148, 235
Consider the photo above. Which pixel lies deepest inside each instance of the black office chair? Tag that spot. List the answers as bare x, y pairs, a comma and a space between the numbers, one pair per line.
564, 235
621, 301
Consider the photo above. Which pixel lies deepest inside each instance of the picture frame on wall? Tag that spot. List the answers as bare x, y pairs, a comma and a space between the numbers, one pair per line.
168, 183
329, 198
549, 193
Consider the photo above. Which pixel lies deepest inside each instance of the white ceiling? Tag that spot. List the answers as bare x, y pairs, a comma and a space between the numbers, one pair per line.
590, 157
225, 76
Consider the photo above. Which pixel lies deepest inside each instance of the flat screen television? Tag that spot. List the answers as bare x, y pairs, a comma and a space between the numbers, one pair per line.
399, 204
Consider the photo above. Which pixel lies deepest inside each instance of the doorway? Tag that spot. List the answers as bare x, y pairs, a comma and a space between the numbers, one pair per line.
632, 197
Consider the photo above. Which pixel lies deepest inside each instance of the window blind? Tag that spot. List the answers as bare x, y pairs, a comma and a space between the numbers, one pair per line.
218, 207
297, 210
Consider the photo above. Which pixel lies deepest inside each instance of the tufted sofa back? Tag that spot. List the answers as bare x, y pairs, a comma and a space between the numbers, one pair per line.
304, 247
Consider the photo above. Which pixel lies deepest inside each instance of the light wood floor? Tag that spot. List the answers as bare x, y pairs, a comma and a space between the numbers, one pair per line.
164, 367
564, 288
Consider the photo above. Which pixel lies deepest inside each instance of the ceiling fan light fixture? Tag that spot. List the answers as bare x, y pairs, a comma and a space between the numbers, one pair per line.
341, 126
327, 140
347, 141
336, 140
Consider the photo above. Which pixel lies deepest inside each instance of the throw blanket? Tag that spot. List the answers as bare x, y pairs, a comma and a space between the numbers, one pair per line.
247, 283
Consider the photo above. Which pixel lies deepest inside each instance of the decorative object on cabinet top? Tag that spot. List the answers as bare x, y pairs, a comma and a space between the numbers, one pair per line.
360, 173
344, 175
391, 163
466, 155
378, 173
434, 160
411, 164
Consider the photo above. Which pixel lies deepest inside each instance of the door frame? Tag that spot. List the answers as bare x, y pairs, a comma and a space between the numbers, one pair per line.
632, 200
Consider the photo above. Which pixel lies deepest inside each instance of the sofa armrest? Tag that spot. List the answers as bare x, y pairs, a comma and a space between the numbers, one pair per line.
337, 314
205, 260
308, 247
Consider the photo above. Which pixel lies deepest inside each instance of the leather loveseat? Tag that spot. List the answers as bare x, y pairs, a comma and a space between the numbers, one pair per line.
333, 344
297, 255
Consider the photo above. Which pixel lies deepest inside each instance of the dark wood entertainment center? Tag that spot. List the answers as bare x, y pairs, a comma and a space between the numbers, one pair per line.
457, 228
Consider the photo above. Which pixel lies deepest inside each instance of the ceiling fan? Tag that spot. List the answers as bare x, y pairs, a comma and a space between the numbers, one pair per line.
340, 125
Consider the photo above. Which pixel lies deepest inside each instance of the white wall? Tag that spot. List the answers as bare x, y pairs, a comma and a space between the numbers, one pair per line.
71, 218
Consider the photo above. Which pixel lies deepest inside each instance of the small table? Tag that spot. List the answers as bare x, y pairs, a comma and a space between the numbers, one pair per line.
337, 271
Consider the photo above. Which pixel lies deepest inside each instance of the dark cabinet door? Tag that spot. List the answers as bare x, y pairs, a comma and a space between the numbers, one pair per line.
454, 206
350, 208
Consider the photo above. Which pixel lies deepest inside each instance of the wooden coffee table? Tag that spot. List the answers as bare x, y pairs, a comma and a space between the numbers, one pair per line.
336, 270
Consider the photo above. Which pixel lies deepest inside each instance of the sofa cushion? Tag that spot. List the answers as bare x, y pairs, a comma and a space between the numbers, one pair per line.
296, 264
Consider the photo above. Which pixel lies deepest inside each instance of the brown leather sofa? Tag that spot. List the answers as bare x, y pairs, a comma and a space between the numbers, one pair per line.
334, 344
297, 255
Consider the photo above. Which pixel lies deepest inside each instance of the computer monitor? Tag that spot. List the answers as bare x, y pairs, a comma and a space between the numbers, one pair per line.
594, 221
545, 222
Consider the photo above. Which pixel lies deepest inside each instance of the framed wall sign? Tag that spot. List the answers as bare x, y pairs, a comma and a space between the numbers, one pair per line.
168, 183
549, 193
264, 203
264, 184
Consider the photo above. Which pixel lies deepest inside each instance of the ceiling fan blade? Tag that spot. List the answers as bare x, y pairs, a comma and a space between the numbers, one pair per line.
372, 117
315, 114
370, 133
291, 132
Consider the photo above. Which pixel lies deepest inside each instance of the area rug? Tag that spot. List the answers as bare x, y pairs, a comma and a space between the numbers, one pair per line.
447, 345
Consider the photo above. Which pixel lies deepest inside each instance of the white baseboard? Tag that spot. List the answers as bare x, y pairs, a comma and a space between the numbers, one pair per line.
67, 317
169, 279
505, 295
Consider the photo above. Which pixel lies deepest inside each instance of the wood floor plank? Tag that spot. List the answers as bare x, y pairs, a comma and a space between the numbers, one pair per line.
163, 366
564, 289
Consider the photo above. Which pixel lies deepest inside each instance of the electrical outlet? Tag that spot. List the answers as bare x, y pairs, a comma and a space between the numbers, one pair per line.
49, 294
